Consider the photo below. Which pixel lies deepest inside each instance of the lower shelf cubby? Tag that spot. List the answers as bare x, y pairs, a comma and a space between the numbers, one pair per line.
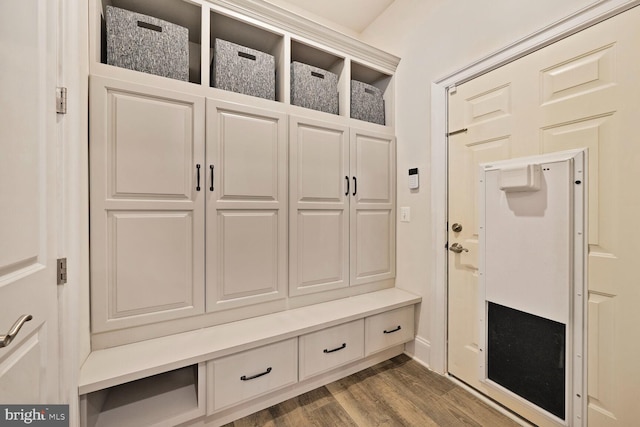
168, 398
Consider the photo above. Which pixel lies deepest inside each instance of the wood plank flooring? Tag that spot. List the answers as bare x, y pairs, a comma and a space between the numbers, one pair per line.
398, 392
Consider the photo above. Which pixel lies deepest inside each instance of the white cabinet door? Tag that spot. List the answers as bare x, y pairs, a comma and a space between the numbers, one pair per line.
28, 179
246, 205
342, 218
373, 228
319, 216
147, 204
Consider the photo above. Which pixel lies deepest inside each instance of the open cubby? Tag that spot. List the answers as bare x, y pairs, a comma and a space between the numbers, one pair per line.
170, 397
251, 36
378, 79
178, 12
309, 55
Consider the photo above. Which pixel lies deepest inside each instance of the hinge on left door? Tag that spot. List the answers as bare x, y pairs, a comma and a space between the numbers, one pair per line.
61, 270
61, 100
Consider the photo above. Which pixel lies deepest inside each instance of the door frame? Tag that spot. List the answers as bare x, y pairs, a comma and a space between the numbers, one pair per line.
440, 89
73, 200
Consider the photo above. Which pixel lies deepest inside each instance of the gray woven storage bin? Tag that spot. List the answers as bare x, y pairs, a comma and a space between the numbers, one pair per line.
143, 43
239, 69
367, 103
314, 88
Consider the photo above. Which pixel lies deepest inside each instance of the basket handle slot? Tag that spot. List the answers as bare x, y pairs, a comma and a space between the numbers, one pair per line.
247, 55
369, 91
148, 26
318, 75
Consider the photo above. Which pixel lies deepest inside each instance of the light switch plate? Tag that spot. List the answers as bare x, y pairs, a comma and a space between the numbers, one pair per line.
405, 214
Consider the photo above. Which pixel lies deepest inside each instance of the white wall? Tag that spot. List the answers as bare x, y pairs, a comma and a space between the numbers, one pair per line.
435, 38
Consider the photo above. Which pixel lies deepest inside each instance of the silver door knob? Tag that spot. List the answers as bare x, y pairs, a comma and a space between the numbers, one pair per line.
5, 340
458, 248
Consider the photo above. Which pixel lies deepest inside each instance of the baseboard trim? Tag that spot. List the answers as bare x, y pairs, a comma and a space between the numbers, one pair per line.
420, 350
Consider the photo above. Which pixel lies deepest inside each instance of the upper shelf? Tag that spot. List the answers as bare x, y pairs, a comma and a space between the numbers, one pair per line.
262, 27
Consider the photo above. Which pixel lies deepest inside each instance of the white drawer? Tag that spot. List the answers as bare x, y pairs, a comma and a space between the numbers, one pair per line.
239, 377
388, 329
326, 349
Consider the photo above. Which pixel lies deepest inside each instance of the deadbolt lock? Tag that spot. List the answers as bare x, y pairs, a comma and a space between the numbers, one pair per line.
456, 227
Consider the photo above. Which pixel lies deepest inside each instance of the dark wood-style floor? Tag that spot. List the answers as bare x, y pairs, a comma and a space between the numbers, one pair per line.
398, 392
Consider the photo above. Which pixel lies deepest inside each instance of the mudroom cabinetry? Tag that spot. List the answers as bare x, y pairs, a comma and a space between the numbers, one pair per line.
342, 208
246, 195
147, 204
242, 248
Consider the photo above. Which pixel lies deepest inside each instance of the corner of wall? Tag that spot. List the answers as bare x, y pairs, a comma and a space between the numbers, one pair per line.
419, 350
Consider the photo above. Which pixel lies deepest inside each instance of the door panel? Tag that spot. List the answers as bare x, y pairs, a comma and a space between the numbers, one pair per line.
151, 262
249, 242
579, 92
246, 225
373, 244
28, 177
147, 213
163, 131
249, 148
372, 222
319, 215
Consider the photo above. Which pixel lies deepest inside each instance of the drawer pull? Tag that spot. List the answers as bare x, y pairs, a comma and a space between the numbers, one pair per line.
393, 330
344, 345
246, 378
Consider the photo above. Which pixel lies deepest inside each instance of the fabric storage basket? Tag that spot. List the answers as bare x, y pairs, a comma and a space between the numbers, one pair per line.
239, 69
143, 43
314, 88
367, 103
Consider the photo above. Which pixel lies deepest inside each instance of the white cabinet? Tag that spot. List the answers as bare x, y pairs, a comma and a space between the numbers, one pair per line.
250, 364
147, 214
372, 216
329, 348
342, 208
240, 377
150, 188
319, 207
200, 214
387, 329
246, 205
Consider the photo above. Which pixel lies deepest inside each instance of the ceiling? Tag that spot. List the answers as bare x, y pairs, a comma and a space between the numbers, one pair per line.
354, 15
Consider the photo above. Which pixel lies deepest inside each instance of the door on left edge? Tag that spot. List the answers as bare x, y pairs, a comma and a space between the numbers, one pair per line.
28, 200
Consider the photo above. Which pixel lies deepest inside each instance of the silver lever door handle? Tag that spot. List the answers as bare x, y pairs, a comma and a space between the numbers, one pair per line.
5, 340
458, 248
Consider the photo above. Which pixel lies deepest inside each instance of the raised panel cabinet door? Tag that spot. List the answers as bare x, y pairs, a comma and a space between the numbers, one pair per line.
319, 206
372, 207
246, 193
147, 204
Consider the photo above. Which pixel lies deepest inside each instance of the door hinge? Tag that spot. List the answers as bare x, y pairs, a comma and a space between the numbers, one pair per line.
61, 100
62, 270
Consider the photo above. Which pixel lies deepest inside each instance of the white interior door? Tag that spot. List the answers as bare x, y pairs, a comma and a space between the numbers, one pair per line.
29, 364
579, 92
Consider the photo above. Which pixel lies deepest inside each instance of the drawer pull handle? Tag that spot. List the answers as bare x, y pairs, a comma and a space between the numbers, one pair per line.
246, 378
393, 330
344, 345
